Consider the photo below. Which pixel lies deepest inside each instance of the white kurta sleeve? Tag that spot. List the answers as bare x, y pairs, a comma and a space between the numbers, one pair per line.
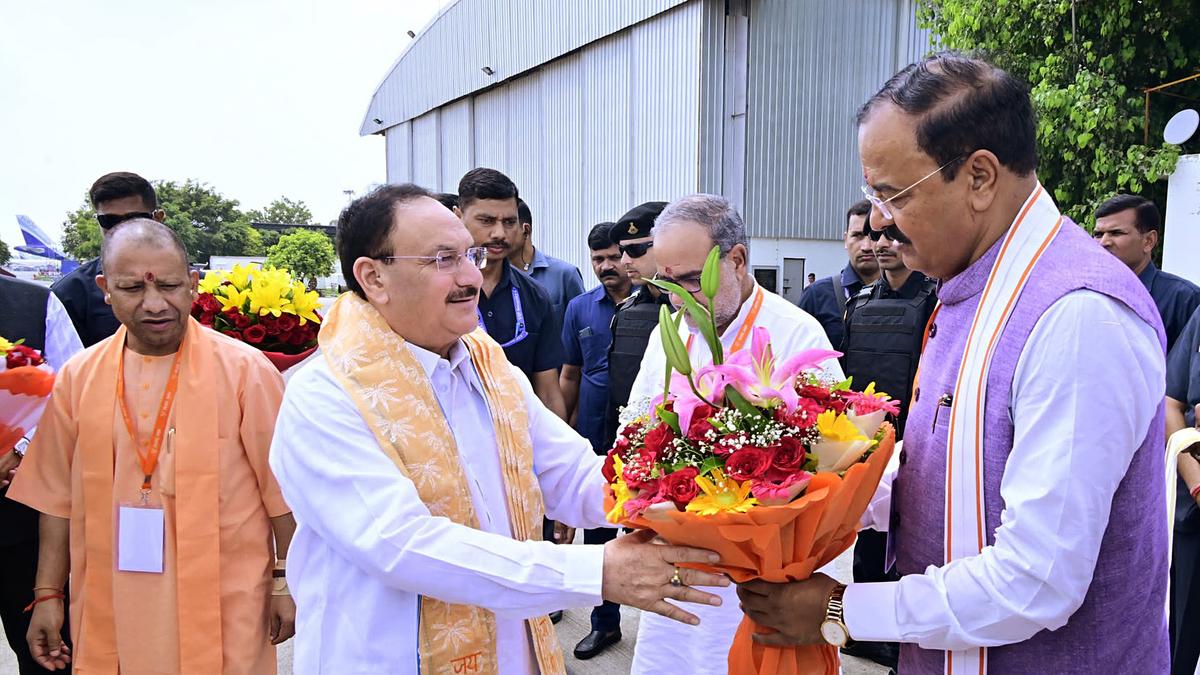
1085, 392
340, 484
568, 470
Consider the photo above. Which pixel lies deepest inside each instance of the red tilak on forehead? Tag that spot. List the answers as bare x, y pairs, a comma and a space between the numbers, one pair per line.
150, 276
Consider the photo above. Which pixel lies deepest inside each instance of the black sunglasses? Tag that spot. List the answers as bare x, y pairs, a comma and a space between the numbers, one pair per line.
635, 250
110, 220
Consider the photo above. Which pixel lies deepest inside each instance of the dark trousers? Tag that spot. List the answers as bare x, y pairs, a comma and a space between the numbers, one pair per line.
607, 615
870, 565
1185, 603
18, 568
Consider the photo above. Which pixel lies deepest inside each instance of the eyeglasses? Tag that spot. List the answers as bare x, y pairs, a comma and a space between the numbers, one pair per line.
635, 250
881, 204
110, 220
448, 261
691, 283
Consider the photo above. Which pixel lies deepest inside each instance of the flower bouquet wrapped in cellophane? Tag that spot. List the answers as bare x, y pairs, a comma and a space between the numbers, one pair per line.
265, 308
761, 459
25, 385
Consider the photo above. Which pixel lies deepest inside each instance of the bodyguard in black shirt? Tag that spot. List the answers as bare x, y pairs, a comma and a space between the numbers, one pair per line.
116, 197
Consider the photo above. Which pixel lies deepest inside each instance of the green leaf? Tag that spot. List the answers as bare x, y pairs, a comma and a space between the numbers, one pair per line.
699, 315
743, 406
667, 417
673, 347
709, 464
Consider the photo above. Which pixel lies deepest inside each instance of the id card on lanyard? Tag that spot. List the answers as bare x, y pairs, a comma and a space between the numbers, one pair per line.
140, 526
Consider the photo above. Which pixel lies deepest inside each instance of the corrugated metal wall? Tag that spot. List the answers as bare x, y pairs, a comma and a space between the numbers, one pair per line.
812, 64
585, 137
508, 36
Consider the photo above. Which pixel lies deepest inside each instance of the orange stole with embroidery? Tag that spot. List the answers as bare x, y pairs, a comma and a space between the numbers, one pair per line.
394, 396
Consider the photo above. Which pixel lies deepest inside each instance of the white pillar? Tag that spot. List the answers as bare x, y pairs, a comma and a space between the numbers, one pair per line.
1181, 231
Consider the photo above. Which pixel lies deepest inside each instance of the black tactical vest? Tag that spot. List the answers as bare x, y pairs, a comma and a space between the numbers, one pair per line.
883, 341
632, 324
22, 316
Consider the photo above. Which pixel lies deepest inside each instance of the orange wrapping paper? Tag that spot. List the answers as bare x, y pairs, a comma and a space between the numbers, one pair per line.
778, 544
23, 395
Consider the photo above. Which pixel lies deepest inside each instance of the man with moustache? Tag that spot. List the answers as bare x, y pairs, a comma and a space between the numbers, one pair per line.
586, 337
513, 308
1025, 514
419, 462
684, 233
637, 317
149, 468
827, 298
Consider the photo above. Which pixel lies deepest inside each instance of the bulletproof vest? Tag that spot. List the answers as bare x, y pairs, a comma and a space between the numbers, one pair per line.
22, 317
23, 312
883, 342
632, 324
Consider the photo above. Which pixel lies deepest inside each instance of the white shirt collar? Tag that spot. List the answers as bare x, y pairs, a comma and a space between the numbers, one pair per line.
429, 360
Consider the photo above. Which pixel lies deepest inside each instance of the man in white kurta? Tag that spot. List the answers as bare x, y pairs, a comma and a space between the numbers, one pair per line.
370, 555
683, 235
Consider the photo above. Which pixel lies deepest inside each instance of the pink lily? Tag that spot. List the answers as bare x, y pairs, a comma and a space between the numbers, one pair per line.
710, 382
758, 378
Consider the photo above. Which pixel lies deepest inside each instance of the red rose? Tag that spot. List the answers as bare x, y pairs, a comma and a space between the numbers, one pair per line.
680, 486
270, 324
254, 334
208, 302
287, 322
609, 470
789, 454
728, 444
20, 356
658, 439
699, 428
639, 479
296, 338
233, 334
805, 414
207, 318
748, 463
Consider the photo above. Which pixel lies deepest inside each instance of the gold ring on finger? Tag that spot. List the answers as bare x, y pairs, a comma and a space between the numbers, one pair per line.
675, 580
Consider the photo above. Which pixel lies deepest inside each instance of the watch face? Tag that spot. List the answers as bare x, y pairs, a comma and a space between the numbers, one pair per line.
834, 633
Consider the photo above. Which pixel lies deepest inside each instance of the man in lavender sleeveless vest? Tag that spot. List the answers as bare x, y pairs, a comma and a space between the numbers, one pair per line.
1071, 571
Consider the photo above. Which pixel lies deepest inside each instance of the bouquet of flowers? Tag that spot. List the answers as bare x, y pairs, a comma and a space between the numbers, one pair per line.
265, 308
768, 463
25, 385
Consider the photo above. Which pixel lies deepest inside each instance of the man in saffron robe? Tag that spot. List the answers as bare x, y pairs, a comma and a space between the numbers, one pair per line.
419, 463
149, 468
1027, 510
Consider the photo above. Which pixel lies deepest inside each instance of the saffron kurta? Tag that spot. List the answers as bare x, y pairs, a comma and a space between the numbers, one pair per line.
244, 393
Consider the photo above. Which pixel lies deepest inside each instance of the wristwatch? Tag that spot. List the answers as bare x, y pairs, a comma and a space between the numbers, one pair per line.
833, 629
20, 447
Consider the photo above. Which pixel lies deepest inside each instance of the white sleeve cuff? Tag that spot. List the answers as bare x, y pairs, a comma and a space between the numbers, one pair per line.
583, 570
870, 612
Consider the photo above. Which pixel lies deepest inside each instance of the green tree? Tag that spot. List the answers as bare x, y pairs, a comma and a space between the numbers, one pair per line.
81, 233
5, 254
305, 253
283, 210
1087, 63
202, 217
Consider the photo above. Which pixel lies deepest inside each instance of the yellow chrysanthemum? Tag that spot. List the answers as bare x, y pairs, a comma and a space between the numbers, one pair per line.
304, 303
870, 391
240, 275
5, 346
621, 492
721, 494
232, 298
267, 298
835, 427
212, 281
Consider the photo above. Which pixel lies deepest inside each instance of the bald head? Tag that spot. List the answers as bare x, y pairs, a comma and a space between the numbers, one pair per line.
142, 233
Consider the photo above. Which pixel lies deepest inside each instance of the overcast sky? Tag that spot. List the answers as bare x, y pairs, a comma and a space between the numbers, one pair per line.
257, 98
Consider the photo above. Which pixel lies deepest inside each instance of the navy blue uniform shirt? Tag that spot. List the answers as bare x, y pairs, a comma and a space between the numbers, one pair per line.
1176, 298
1183, 384
535, 346
560, 278
819, 300
586, 335
84, 302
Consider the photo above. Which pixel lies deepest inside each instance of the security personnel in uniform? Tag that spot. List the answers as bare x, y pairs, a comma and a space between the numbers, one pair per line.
637, 316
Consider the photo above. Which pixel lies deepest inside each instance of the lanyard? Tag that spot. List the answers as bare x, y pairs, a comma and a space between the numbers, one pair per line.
520, 332
739, 340
149, 458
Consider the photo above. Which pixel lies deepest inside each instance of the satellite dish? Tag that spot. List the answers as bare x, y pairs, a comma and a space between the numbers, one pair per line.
1181, 127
